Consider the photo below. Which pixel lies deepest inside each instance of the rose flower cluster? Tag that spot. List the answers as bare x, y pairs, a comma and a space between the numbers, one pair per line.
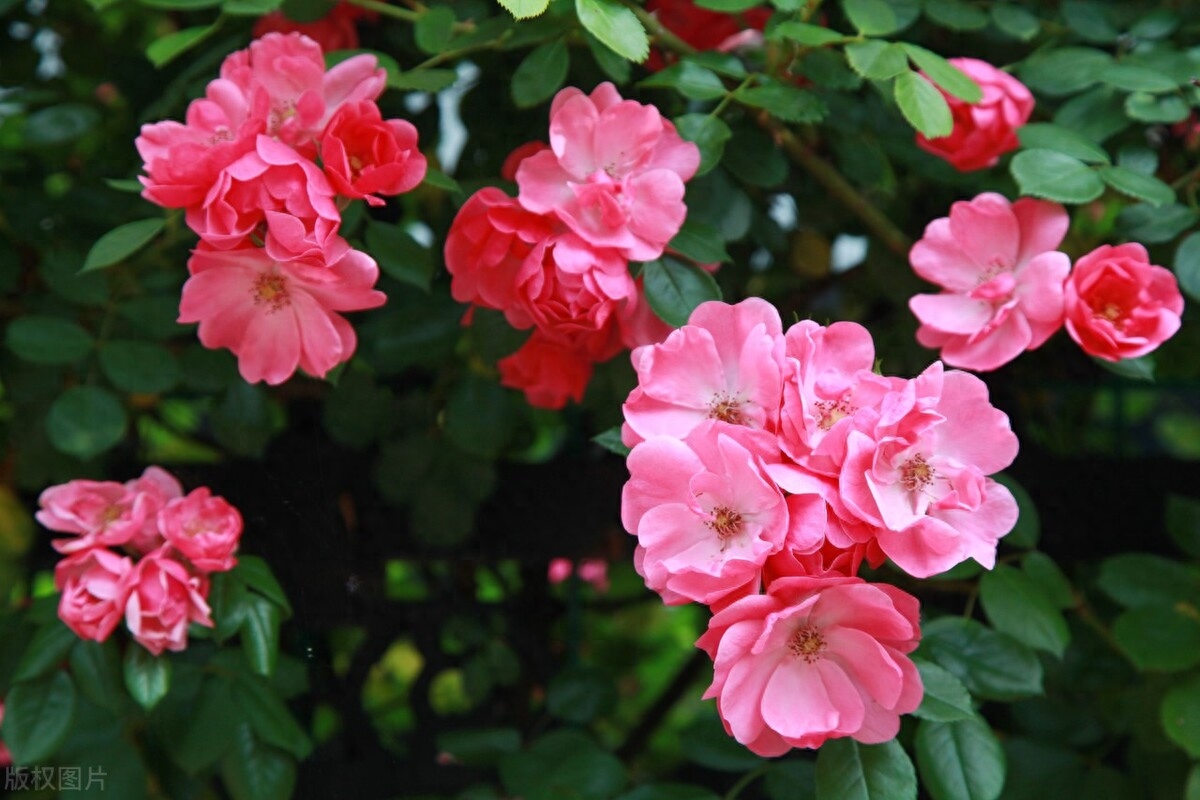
606, 191
141, 551
1006, 289
766, 466
262, 166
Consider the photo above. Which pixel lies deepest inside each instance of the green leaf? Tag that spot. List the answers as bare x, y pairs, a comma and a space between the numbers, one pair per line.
805, 34
423, 80
1181, 715
1015, 21
580, 694
96, 668
260, 634
165, 50
1153, 225
565, 763
700, 242
524, 9
705, 742
877, 60
37, 717
479, 747
1097, 114
610, 440
478, 417
847, 770
47, 340
952, 79
252, 770
709, 133
1042, 570
790, 780
689, 79
434, 29
1066, 70
270, 718
147, 677
208, 733
1138, 158
1017, 606
400, 256
991, 665
1140, 579
1048, 136
1132, 78
59, 125
956, 15
615, 67
250, 8
1055, 176
1183, 513
674, 289
440, 180
923, 105
257, 574
728, 6
1134, 369
1160, 637
754, 159
1089, 21
1158, 24
1028, 530
871, 17
49, 646
615, 26
139, 366
1163, 109
945, 698
960, 760
540, 74
122, 242
84, 421
1138, 185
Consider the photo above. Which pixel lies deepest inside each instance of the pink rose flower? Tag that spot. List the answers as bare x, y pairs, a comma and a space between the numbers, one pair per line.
614, 173
589, 570
204, 529
365, 155
559, 570
1119, 305
986, 130
488, 242
154, 489
814, 659
1003, 280
163, 598
548, 372
276, 193
334, 31
725, 364
106, 513
276, 316
94, 585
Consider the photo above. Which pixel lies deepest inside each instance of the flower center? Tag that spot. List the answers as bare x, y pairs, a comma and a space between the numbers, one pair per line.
110, 515
271, 290
916, 474
1110, 312
727, 409
830, 412
726, 523
807, 643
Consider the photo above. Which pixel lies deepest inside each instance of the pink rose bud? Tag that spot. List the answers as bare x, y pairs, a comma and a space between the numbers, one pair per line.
559, 570
163, 598
204, 528
94, 586
365, 155
1119, 305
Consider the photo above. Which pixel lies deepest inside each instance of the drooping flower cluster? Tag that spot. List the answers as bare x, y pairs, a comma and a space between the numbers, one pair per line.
607, 190
766, 466
141, 551
262, 167
1006, 289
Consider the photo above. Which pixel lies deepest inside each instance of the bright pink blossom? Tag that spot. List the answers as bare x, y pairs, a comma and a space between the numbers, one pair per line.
725, 364
278, 194
106, 513
487, 245
94, 585
814, 659
276, 316
1002, 278
164, 597
548, 372
1119, 305
986, 130
365, 155
614, 173
203, 528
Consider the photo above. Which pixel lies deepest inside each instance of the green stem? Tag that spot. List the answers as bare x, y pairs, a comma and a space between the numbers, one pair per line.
663, 37
747, 779
716, 112
387, 9
450, 55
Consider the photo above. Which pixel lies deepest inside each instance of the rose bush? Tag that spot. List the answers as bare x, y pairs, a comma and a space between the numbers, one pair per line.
617, 401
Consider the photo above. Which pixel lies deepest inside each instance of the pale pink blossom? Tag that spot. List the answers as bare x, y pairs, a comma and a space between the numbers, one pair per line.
488, 242
164, 597
276, 316
203, 528
1002, 277
94, 585
1119, 305
986, 130
725, 364
548, 372
365, 155
106, 513
614, 173
814, 659
277, 194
